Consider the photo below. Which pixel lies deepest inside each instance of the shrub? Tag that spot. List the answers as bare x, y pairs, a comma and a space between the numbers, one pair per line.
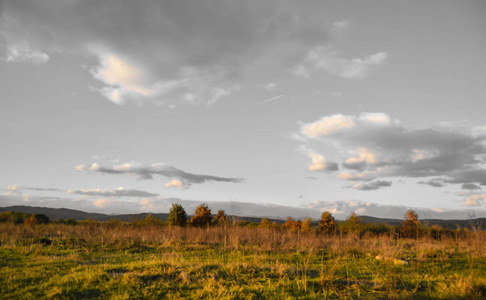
411, 225
221, 218
327, 224
177, 216
202, 216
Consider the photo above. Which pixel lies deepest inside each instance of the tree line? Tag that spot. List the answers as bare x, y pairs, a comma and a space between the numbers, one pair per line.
411, 226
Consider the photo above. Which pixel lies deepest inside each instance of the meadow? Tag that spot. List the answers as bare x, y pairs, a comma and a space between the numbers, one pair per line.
137, 260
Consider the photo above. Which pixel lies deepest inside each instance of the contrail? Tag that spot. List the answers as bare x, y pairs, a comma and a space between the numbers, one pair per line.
271, 99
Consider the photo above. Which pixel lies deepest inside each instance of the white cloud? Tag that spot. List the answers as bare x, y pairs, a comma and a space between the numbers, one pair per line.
102, 203
319, 163
175, 183
373, 146
328, 125
15, 54
375, 118
322, 57
475, 200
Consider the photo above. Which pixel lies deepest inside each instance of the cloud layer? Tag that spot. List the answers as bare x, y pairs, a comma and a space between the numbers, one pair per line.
109, 204
179, 178
168, 51
373, 146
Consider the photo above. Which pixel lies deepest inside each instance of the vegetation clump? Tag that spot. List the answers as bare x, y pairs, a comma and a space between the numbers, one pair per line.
202, 216
177, 216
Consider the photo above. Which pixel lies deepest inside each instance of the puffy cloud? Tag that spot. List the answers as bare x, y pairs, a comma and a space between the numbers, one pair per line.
171, 52
323, 57
475, 200
147, 172
23, 53
374, 146
175, 183
364, 156
328, 125
120, 192
371, 186
319, 163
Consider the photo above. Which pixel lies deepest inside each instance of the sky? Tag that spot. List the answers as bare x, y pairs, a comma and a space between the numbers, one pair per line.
259, 107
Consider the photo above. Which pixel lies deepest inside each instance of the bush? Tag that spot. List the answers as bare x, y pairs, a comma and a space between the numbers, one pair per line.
177, 216
327, 224
202, 216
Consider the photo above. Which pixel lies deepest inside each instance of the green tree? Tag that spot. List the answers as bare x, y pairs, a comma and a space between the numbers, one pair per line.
150, 220
410, 225
202, 216
177, 216
327, 224
353, 223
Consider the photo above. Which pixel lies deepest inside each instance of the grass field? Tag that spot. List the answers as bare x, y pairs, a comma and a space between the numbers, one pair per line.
122, 261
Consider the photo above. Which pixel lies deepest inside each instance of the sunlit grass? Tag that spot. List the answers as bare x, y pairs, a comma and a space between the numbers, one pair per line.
102, 261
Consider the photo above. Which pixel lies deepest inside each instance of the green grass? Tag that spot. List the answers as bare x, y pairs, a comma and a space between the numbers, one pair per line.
101, 263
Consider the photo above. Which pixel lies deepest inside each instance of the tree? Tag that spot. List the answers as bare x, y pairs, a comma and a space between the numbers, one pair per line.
353, 223
37, 219
327, 224
306, 225
202, 216
265, 223
150, 220
410, 225
292, 225
221, 218
177, 216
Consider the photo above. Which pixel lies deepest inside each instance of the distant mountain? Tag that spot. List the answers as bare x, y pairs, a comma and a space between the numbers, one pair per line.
64, 213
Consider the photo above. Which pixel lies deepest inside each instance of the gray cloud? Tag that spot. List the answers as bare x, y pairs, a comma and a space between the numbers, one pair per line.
374, 146
433, 183
372, 186
175, 51
120, 192
146, 172
470, 186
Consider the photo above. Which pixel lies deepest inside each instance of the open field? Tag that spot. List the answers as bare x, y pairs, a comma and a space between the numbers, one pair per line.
126, 261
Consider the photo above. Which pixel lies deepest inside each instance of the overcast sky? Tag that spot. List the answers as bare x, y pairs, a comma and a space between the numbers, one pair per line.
126, 106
